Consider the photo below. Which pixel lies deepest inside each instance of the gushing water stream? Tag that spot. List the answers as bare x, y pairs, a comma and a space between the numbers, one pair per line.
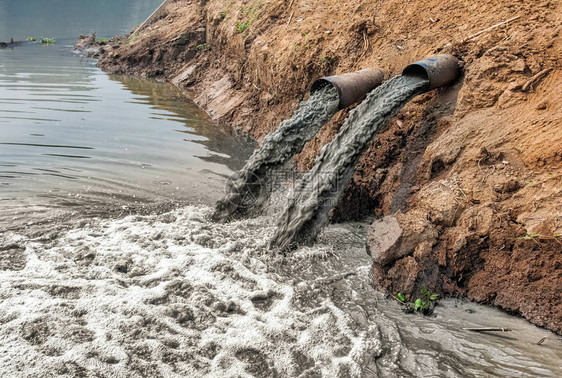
319, 189
246, 188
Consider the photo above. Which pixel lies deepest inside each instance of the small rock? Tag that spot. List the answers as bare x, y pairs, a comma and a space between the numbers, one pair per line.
542, 105
383, 235
394, 237
519, 65
515, 86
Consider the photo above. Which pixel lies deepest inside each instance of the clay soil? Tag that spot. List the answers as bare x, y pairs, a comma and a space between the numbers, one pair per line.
471, 174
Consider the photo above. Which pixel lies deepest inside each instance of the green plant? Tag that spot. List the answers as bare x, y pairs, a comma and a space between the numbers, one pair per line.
102, 40
248, 15
423, 305
252, 11
527, 237
31, 39
305, 44
243, 26
426, 303
536, 237
201, 47
48, 41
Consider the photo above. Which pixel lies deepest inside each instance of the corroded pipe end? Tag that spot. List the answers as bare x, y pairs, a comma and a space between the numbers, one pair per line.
351, 87
439, 70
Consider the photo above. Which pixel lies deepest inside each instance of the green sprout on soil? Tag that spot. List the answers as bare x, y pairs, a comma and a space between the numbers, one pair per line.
48, 41
243, 26
31, 39
427, 303
527, 237
249, 14
536, 237
305, 44
102, 40
423, 305
224, 13
201, 47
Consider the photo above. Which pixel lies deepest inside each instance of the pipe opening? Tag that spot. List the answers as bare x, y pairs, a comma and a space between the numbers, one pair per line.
438, 70
319, 84
323, 83
351, 87
416, 70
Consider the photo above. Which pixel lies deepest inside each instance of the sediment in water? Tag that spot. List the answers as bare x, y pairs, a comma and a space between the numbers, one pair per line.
318, 191
247, 189
174, 295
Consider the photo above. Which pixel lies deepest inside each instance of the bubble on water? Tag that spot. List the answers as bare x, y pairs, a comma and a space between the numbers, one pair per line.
177, 295
169, 294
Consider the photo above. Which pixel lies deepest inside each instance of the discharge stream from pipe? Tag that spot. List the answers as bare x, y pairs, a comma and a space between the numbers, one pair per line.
319, 189
245, 190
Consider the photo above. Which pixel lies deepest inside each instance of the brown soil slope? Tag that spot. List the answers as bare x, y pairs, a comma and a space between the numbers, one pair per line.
469, 177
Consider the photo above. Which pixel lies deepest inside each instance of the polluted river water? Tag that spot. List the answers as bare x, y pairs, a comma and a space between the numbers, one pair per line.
72, 137
121, 272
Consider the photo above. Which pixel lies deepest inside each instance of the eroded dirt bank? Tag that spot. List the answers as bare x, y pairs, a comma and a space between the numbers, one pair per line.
466, 182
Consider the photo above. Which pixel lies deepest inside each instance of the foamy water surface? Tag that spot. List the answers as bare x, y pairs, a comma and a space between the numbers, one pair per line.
176, 295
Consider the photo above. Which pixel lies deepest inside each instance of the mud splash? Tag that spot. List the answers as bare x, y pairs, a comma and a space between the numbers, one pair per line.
177, 295
246, 190
319, 189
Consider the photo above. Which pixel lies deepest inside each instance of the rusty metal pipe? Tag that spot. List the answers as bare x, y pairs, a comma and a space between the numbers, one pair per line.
439, 70
351, 87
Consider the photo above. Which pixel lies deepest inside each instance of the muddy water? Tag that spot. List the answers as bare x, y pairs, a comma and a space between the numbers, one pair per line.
175, 295
249, 188
319, 189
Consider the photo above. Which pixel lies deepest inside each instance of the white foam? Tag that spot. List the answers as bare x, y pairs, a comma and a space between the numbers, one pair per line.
177, 295
171, 294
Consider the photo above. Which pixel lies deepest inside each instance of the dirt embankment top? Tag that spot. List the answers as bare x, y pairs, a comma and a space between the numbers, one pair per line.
470, 177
